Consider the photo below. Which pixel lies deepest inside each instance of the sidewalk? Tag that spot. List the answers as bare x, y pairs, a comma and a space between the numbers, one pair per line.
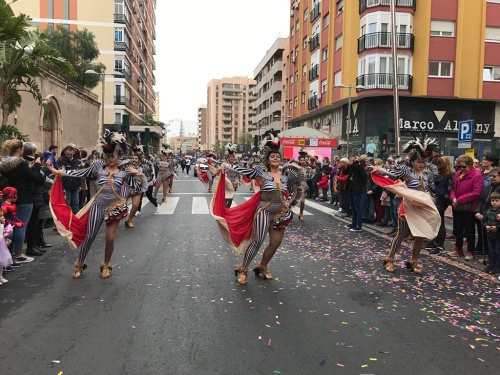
476, 266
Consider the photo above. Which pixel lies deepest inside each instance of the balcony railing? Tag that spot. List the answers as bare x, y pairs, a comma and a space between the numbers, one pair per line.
315, 12
384, 81
122, 46
312, 102
384, 40
122, 100
313, 72
121, 18
125, 73
313, 42
365, 4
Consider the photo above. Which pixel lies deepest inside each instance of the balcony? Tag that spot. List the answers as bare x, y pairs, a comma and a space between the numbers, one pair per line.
366, 4
315, 12
314, 72
125, 73
313, 42
121, 18
383, 81
384, 40
312, 102
122, 100
122, 46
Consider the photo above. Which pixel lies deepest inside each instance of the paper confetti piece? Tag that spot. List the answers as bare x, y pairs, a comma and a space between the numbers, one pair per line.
322, 362
340, 365
269, 342
56, 361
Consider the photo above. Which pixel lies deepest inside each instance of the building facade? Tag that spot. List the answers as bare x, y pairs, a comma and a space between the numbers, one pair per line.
448, 70
202, 126
70, 114
125, 34
229, 110
268, 91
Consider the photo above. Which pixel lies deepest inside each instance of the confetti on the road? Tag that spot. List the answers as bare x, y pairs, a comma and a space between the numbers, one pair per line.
322, 362
56, 361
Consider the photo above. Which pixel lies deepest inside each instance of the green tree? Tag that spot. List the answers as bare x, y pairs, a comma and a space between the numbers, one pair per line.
11, 132
246, 140
148, 119
218, 147
80, 49
24, 56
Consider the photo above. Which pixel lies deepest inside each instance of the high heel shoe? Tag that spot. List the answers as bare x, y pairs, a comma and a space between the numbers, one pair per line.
129, 224
164, 200
261, 270
413, 266
389, 264
241, 274
79, 267
106, 270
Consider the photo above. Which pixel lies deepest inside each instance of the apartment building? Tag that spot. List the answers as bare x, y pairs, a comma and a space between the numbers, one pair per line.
202, 126
268, 91
448, 61
125, 34
229, 109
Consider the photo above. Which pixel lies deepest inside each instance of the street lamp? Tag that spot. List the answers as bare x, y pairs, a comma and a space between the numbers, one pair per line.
102, 78
348, 128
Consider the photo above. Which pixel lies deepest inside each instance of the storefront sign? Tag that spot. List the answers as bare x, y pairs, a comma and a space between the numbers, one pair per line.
311, 142
450, 126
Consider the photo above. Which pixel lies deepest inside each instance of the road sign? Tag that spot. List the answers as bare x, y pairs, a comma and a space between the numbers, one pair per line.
465, 131
464, 144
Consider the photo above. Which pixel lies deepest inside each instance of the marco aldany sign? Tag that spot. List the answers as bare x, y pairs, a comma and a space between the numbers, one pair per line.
450, 126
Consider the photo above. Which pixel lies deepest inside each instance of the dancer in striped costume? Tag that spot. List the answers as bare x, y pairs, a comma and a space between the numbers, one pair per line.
279, 191
110, 200
164, 173
417, 175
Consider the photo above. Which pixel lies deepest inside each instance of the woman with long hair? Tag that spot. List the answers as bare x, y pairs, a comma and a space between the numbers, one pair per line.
108, 204
271, 212
164, 173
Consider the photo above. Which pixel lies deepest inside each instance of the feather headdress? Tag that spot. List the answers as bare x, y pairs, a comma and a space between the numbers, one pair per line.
166, 151
138, 148
112, 142
303, 153
230, 148
423, 145
211, 154
271, 140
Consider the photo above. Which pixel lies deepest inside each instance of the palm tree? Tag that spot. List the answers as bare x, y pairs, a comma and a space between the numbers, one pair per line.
24, 56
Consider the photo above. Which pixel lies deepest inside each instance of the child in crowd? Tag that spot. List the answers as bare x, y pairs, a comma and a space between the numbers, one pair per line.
5, 257
323, 185
492, 226
9, 209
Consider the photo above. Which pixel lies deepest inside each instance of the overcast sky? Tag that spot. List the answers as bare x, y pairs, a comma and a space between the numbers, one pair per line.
201, 40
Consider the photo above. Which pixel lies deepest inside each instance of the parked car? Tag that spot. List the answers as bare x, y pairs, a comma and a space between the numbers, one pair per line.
200, 162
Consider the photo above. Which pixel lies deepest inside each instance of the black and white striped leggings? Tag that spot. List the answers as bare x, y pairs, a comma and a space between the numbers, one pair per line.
260, 229
96, 216
402, 232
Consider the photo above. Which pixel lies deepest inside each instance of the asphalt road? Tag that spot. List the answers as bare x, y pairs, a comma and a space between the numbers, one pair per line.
172, 305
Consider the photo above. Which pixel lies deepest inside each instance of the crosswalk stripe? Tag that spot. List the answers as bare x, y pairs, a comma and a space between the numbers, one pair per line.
168, 207
200, 206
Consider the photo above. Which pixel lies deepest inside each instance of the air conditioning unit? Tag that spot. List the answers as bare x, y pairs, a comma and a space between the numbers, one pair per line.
293, 59
292, 13
296, 5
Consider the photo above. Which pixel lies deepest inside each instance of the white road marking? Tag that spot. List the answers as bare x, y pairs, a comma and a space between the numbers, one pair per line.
168, 207
200, 206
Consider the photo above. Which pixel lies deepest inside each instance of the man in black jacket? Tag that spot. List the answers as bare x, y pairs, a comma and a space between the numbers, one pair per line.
356, 186
70, 185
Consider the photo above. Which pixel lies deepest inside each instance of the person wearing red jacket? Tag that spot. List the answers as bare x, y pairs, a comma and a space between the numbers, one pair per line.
9, 207
323, 185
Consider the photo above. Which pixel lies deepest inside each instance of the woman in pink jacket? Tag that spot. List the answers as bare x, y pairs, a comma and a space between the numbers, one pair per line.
465, 195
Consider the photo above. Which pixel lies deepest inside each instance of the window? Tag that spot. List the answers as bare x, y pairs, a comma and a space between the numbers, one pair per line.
440, 69
340, 6
290, 105
303, 97
336, 117
291, 80
493, 1
119, 32
338, 42
297, 25
304, 43
296, 76
442, 28
306, 13
326, 20
324, 53
492, 34
295, 102
292, 31
324, 86
491, 73
304, 69
337, 80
